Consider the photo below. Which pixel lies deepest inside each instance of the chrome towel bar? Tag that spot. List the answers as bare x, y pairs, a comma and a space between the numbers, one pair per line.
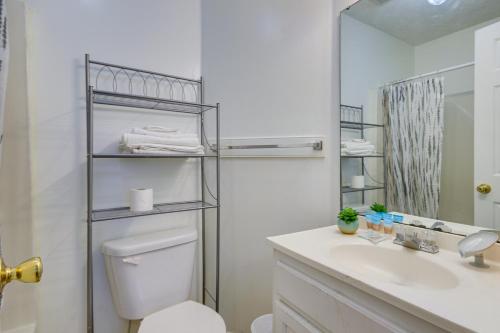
317, 145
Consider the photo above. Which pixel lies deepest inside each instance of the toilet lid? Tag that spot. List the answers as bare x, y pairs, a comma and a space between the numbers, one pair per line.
186, 317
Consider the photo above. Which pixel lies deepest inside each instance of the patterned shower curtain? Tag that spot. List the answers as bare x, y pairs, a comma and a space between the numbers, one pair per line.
413, 116
4, 62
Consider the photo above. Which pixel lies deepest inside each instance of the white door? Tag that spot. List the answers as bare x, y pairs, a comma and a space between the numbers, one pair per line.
487, 127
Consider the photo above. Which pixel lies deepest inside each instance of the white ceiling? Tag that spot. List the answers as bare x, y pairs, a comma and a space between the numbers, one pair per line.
417, 21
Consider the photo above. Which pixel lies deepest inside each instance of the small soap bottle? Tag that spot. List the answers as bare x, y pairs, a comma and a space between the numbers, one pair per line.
388, 226
388, 223
368, 219
376, 224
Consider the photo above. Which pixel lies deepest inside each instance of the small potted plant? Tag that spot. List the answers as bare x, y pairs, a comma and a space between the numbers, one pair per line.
348, 221
378, 209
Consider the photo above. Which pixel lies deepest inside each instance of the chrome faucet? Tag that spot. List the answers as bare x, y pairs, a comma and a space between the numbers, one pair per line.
476, 244
416, 238
440, 226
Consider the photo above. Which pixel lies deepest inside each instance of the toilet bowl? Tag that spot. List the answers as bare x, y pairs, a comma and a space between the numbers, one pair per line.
186, 317
150, 279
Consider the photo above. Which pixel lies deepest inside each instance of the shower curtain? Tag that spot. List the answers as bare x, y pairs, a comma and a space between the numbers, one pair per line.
413, 118
4, 61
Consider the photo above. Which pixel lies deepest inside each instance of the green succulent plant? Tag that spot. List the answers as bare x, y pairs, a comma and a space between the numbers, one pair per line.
378, 208
348, 215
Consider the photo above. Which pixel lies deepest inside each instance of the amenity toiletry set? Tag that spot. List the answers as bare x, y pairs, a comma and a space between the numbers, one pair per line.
377, 220
382, 222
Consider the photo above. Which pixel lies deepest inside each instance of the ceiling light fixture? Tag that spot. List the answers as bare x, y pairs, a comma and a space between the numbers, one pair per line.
436, 2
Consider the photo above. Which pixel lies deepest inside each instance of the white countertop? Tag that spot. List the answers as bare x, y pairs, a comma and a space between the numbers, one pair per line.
472, 306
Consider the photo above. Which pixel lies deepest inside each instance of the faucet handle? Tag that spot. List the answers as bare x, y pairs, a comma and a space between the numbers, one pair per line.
429, 243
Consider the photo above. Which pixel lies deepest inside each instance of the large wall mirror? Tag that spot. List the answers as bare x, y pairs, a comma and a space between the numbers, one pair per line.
420, 113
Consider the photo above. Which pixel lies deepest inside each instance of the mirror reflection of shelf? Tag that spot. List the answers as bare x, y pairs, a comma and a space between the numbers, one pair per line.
362, 156
358, 126
348, 189
352, 120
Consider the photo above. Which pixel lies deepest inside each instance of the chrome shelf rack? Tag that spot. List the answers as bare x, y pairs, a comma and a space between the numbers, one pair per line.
347, 189
129, 87
352, 118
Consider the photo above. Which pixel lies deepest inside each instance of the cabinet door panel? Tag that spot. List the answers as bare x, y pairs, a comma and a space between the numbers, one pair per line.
288, 320
325, 306
318, 306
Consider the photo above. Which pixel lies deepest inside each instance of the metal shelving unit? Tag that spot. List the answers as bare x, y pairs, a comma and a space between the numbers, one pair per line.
163, 208
352, 118
160, 92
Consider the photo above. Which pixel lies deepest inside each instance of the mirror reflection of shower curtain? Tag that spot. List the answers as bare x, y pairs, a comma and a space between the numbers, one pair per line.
4, 62
413, 115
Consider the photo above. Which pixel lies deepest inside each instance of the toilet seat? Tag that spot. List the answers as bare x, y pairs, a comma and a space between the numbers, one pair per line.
186, 317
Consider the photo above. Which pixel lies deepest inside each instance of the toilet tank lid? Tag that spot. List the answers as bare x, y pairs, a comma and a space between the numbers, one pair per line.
143, 243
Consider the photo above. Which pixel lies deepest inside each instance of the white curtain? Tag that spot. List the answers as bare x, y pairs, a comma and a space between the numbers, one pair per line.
413, 116
4, 62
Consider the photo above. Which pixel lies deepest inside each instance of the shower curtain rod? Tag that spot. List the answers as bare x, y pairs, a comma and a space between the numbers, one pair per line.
444, 70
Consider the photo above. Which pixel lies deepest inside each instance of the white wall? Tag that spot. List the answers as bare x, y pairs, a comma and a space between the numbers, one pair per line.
270, 65
457, 176
450, 50
18, 308
164, 36
370, 58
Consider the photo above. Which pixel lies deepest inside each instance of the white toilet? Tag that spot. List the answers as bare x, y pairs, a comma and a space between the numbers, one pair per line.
150, 277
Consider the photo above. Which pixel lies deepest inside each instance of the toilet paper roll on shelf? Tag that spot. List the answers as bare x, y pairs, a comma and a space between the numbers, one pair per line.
141, 199
358, 182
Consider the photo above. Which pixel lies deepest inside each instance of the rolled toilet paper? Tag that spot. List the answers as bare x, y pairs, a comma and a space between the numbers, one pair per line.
141, 199
358, 182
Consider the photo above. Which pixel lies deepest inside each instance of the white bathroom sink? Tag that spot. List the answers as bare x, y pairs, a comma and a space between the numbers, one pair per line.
401, 266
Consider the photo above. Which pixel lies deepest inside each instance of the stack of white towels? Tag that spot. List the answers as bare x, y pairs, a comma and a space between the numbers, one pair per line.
160, 140
357, 147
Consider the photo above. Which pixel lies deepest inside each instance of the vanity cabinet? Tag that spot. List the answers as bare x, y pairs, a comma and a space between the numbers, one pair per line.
306, 300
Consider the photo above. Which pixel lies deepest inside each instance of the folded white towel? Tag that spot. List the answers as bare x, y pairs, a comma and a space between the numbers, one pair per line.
354, 145
160, 129
153, 146
356, 141
356, 148
163, 152
143, 131
345, 151
168, 150
131, 140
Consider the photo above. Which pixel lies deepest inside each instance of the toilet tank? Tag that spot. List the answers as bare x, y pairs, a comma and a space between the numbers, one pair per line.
150, 272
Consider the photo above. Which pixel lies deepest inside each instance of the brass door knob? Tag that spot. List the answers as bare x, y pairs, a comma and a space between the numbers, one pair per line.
29, 271
483, 188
